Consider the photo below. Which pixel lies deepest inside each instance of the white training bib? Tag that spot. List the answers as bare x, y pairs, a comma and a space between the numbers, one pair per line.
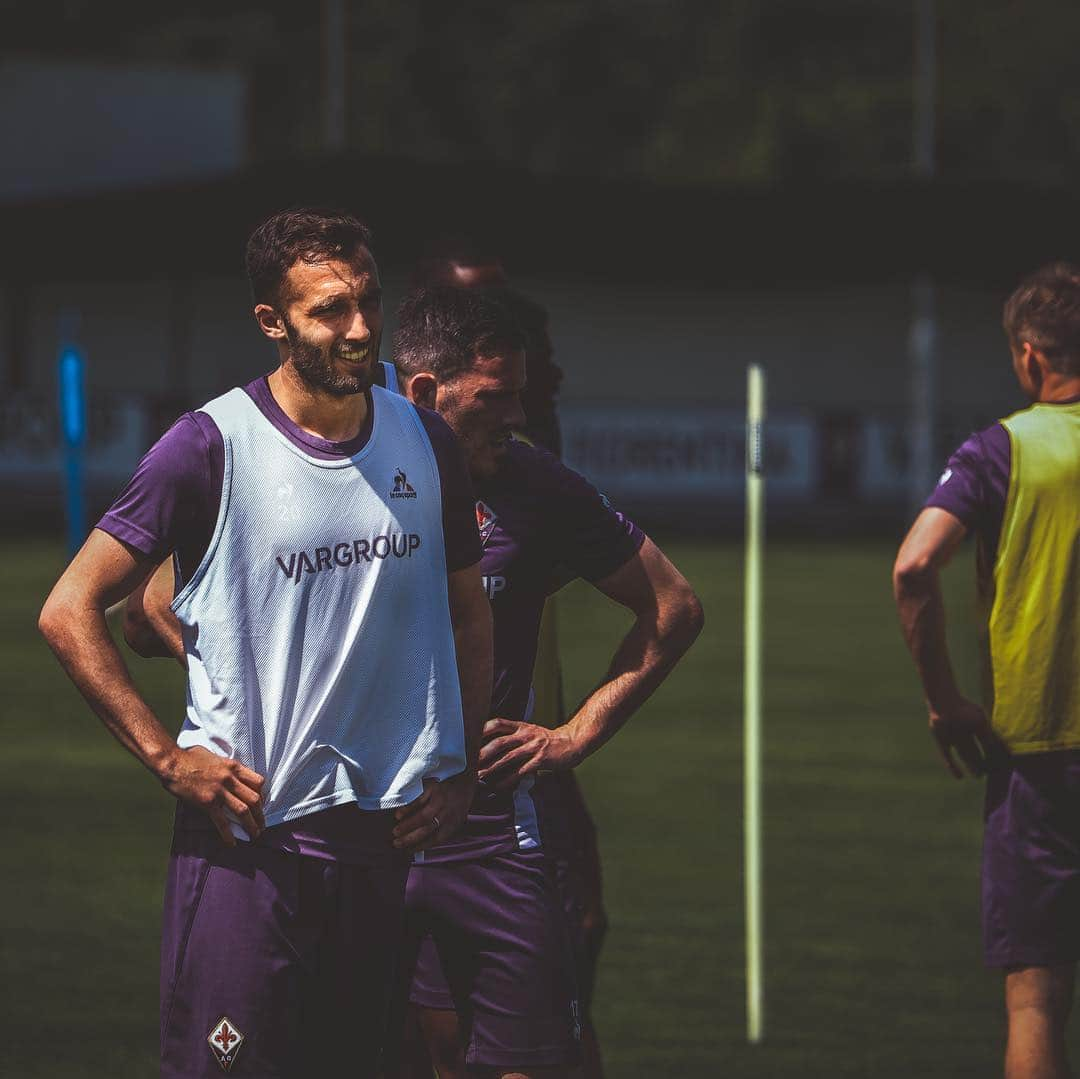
317, 628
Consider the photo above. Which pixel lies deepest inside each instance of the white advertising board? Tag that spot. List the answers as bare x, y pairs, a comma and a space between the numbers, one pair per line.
665, 451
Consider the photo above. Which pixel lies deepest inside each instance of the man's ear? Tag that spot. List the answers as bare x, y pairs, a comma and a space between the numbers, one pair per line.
422, 389
1036, 366
270, 322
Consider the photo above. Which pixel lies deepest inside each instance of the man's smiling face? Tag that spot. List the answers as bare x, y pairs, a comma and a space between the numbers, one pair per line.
332, 317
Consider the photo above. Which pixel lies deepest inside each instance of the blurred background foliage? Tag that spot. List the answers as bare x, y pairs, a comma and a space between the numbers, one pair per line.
745, 92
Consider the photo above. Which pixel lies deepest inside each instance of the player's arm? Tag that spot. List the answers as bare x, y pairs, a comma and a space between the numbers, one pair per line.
151, 629
957, 724
441, 809
73, 623
667, 619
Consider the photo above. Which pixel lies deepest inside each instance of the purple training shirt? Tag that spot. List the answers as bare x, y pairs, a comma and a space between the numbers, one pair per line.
539, 522
974, 485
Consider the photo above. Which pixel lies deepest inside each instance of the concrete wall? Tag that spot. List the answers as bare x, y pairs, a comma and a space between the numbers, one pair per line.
834, 349
823, 349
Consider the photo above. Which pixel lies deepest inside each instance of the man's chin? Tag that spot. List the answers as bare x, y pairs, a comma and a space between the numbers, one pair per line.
354, 378
355, 384
338, 383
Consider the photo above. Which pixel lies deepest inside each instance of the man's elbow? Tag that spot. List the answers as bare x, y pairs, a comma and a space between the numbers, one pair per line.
53, 623
687, 619
912, 573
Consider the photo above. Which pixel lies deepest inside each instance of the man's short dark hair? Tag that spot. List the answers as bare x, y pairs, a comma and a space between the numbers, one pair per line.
1044, 311
442, 330
299, 235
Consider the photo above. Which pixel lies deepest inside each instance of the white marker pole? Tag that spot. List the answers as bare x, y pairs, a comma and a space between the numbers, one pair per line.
755, 521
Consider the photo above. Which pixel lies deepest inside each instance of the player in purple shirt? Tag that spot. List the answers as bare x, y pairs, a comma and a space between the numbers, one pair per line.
278, 951
570, 835
483, 903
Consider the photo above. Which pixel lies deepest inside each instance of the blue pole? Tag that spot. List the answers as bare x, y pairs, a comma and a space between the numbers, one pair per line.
73, 430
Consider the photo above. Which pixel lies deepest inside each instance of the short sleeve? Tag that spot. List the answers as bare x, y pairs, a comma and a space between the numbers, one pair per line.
460, 531
975, 482
592, 538
171, 502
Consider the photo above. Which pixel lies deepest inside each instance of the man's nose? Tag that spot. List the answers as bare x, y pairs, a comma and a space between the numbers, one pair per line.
359, 327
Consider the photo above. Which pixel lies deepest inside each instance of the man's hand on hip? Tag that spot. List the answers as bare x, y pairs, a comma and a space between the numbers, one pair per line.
514, 750
217, 785
962, 728
437, 814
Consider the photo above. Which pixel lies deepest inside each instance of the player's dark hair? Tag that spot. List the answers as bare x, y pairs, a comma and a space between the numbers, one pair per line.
299, 235
1044, 311
442, 330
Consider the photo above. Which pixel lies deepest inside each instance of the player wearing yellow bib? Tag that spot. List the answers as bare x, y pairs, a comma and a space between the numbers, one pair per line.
1016, 485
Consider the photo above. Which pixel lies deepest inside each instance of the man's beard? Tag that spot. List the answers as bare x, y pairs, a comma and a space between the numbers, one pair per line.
316, 367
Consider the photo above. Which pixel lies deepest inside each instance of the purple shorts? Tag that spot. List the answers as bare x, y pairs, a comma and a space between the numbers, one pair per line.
274, 963
1031, 861
492, 945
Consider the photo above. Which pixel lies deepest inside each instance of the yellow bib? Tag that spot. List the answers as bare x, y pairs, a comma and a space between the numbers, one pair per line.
1034, 627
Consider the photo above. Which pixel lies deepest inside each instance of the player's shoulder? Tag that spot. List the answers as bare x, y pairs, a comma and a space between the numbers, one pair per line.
988, 443
556, 495
976, 474
541, 468
193, 433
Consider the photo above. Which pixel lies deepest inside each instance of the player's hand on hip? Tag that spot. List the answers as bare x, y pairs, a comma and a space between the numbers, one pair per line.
962, 731
514, 750
218, 786
437, 814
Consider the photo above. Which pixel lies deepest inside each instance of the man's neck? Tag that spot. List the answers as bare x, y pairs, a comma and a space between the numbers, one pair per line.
326, 415
1057, 389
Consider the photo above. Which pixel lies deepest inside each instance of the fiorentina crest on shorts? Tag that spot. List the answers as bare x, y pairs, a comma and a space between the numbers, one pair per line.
485, 521
225, 1041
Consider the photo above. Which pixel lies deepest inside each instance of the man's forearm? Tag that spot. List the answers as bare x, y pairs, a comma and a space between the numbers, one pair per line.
922, 620
81, 640
643, 660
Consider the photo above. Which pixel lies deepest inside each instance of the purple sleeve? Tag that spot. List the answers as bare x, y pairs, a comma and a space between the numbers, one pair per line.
459, 502
592, 538
171, 503
975, 482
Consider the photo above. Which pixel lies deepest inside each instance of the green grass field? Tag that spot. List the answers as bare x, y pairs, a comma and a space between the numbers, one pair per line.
872, 951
